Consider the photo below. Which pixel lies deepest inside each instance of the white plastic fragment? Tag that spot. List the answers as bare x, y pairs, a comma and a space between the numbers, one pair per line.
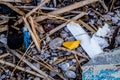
101, 41
70, 74
100, 35
104, 31
90, 45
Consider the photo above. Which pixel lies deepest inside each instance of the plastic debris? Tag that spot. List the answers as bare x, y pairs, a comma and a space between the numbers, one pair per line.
104, 31
90, 45
100, 35
26, 37
71, 44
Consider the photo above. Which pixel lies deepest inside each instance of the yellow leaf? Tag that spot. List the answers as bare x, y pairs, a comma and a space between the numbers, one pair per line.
71, 44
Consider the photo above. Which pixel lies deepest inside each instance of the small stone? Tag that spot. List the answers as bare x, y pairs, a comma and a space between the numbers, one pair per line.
28, 68
92, 22
34, 51
68, 53
48, 39
56, 42
63, 35
44, 56
118, 39
64, 66
1, 51
3, 76
3, 40
36, 78
8, 73
70, 74
107, 17
74, 60
115, 19
52, 74
36, 65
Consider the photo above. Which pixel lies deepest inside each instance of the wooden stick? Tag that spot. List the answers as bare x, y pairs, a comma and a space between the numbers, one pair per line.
5, 28
3, 22
31, 7
22, 69
47, 66
74, 52
113, 1
13, 8
4, 55
32, 11
61, 60
55, 3
63, 25
32, 35
11, 0
32, 22
79, 65
87, 26
21, 59
66, 9
40, 29
66, 58
103, 4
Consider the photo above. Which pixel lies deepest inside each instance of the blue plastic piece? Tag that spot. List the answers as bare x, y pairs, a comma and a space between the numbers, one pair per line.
26, 38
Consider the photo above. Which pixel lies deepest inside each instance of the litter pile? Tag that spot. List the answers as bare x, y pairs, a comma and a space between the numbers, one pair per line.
52, 39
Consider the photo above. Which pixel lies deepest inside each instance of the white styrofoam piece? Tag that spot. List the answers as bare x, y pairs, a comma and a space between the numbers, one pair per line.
104, 31
90, 45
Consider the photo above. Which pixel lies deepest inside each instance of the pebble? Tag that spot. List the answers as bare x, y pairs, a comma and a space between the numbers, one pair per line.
107, 17
118, 40
52, 74
8, 72
36, 78
115, 19
2, 77
36, 65
55, 42
70, 74
1, 51
64, 66
3, 40
44, 56
28, 68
